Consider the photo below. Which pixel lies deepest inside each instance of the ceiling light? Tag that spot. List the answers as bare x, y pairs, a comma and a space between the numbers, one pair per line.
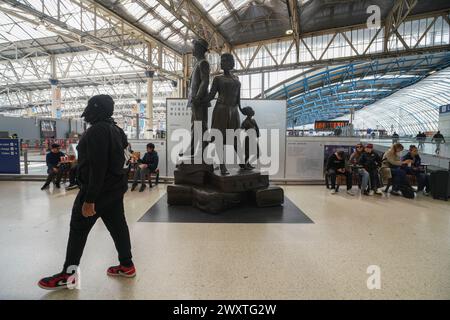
289, 32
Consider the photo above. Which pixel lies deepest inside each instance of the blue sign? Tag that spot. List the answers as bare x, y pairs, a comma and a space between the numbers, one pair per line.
9, 156
141, 116
444, 109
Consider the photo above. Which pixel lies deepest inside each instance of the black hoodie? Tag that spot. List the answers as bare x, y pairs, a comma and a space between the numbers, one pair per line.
101, 159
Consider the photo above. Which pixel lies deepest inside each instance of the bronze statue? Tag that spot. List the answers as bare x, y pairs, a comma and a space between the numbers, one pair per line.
226, 111
247, 124
198, 100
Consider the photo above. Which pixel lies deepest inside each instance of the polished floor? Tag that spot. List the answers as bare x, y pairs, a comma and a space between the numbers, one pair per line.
408, 239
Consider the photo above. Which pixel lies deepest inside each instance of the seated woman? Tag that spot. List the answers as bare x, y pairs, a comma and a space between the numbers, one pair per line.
423, 183
146, 165
392, 160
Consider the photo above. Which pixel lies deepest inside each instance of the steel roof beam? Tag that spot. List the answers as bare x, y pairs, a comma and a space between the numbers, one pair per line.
125, 34
196, 20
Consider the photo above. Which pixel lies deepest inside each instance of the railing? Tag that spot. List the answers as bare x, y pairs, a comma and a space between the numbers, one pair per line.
441, 150
33, 153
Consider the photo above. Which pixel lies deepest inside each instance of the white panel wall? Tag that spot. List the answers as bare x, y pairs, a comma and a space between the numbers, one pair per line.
269, 114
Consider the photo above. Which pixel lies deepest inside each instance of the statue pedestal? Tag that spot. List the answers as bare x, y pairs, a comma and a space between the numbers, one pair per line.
205, 188
192, 174
238, 180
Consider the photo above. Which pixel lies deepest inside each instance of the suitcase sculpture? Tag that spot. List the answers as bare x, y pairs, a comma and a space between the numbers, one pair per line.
440, 184
209, 191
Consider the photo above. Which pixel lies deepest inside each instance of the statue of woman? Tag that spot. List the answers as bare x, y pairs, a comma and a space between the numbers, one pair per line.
226, 111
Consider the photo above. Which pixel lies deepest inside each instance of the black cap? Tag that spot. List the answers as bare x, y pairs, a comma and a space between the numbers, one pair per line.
55, 145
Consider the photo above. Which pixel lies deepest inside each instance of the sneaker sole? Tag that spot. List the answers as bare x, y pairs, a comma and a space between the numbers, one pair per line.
121, 275
52, 289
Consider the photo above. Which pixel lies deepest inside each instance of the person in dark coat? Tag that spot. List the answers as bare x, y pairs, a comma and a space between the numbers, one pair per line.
53, 160
336, 166
146, 165
438, 138
415, 168
371, 161
103, 184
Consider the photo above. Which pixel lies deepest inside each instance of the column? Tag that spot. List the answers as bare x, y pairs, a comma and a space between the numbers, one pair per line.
149, 108
55, 90
56, 99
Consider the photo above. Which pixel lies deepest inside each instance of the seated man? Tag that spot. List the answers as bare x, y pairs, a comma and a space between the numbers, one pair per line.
371, 162
148, 164
364, 175
53, 160
336, 166
423, 183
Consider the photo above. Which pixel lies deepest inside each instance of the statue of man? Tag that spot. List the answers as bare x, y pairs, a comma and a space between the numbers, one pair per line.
198, 100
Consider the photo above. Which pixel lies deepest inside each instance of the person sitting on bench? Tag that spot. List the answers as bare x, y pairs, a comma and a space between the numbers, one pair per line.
336, 166
146, 165
391, 159
355, 157
53, 160
371, 161
415, 169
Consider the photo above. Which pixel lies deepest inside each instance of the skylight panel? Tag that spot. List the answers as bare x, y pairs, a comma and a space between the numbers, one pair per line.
207, 4
219, 12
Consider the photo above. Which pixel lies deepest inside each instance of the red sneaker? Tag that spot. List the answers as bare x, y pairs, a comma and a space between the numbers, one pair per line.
56, 282
127, 272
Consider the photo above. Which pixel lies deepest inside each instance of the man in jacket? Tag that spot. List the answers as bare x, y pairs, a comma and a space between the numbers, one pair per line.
371, 161
363, 174
54, 171
146, 165
438, 138
102, 186
336, 166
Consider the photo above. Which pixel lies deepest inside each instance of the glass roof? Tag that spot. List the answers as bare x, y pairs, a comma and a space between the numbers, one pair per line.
150, 13
12, 30
355, 86
412, 109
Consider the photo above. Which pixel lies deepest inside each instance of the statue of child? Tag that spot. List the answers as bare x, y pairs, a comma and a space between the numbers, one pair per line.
247, 124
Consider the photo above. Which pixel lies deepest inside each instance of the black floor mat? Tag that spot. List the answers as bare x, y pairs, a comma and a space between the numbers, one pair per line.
288, 213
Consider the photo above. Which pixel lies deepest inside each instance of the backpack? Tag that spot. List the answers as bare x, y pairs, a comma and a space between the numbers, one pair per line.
407, 191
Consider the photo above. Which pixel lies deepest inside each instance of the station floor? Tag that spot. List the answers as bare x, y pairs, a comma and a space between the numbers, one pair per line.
408, 239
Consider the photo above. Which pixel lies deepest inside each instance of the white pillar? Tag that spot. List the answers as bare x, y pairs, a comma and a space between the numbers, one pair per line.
56, 99
149, 107
56, 91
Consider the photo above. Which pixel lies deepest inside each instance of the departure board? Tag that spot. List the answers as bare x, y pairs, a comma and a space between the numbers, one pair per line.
329, 125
